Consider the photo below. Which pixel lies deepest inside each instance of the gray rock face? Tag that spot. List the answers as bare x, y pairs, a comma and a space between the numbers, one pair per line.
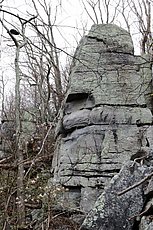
8, 135
105, 119
146, 223
118, 212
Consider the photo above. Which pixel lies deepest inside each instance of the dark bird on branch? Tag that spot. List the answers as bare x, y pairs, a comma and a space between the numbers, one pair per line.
14, 32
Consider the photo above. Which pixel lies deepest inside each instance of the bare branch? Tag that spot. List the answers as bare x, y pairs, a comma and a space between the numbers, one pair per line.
135, 185
8, 31
40, 151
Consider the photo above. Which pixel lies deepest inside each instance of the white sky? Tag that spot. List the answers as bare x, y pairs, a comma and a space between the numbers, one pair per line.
68, 17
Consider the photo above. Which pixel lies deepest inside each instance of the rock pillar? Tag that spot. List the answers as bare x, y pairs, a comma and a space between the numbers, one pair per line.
106, 117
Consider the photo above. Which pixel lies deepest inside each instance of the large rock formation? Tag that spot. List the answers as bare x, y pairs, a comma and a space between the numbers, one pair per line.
106, 117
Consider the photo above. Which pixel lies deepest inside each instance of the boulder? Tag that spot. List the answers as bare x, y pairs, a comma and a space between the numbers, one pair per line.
112, 211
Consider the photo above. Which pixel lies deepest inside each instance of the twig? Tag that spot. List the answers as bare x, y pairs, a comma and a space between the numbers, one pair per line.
72, 210
135, 185
142, 213
14, 165
41, 149
6, 207
5, 159
8, 166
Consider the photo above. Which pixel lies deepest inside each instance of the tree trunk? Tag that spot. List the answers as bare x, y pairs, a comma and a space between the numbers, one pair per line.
19, 153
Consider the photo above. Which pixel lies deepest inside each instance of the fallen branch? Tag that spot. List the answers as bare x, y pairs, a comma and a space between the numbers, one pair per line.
33, 205
135, 185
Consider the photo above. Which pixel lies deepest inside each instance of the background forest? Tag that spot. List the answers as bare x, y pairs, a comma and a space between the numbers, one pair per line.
37, 53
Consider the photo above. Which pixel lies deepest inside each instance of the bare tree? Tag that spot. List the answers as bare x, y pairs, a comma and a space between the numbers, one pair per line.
101, 11
48, 77
43, 73
136, 17
142, 10
20, 177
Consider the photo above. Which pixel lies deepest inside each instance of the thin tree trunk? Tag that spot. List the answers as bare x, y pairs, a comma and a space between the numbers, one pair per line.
19, 154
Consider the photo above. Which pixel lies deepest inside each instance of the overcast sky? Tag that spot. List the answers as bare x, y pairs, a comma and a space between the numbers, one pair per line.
71, 21
71, 17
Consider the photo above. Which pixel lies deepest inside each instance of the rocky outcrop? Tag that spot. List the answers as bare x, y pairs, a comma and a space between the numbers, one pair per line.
8, 135
106, 117
117, 208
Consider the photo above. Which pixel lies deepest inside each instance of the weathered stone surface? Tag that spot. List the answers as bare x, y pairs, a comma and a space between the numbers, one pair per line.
117, 212
146, 223
106, 115
117, 40
111, 86
88, 197
111, 74
94, 154
105, 119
